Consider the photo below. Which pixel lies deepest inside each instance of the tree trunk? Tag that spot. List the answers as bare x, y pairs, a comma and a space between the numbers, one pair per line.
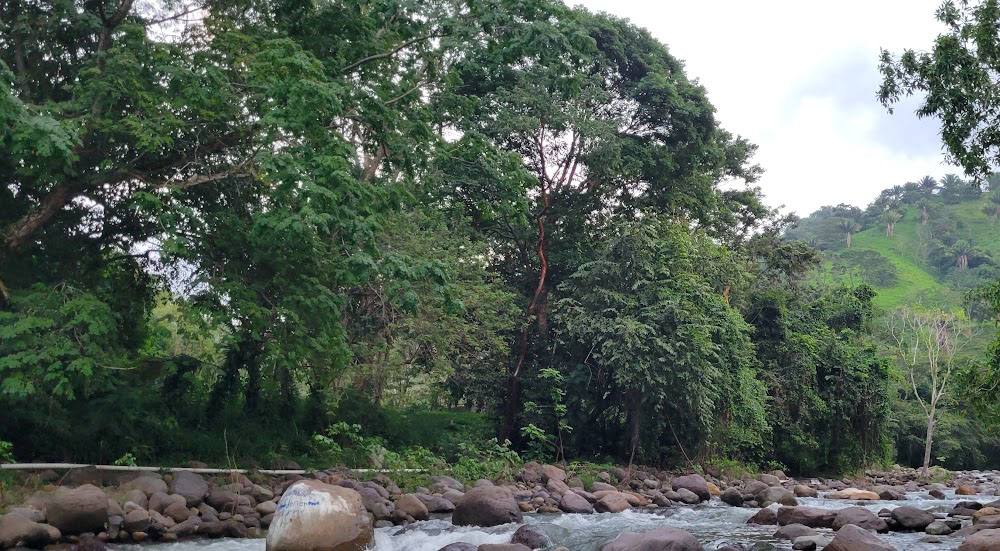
928, 442
848, 240
635, 420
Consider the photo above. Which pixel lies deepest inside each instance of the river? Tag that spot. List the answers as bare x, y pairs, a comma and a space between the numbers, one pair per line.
713, 524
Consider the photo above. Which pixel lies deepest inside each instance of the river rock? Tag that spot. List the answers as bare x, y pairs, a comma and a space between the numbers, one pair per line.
732, 496
859, 516
410, 504
177, 512
664, 538
531, 537
687, 496
187, 528
82, 509
503, 547
778, 495
486, 506
17, 529
801, 490
890, 493
612, 502
603, 487
34, 515
792, 531
855, 538
854, 494
984, 540
136, 520
191, 486
435, 503
978, 516
965, 491
694, 483
938, 528
812, 517
765, 516
911, 518
752, 488
769, 479
572, 502
460, 546
551, 472
441, 484
313, 516
147, 483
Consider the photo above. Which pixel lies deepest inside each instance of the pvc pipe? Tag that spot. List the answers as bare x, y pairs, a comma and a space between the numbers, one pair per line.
42, 466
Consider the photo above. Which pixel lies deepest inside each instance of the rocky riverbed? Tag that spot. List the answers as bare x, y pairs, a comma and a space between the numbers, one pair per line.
545, 508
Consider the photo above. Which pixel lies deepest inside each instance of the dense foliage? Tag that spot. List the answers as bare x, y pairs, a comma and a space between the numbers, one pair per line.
374, 232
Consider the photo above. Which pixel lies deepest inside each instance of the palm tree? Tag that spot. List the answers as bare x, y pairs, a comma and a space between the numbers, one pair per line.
995, 197
992, 211
927, 184
925, 212
849, 227
951, 181
962, 252
890, 217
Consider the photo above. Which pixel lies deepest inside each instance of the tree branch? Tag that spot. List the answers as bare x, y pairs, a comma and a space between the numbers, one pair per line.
390, 53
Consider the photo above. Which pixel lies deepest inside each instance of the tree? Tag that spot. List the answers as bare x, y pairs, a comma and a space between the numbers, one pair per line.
956, 79
991, 212
848, 227
607, 122
926, 343
927, 184
890, 218
665, 348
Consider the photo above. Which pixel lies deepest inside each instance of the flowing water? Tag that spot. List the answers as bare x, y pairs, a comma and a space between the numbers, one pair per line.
713, 524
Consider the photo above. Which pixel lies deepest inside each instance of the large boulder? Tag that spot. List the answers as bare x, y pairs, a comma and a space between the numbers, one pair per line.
855, 538
551, 472
189, 485
313, 516
411, 505
765, 516
660, 539
573, 502
984, 512
812, 517
769, 479
486, 506
776, 494
801, 490
136, 520
612, 502
859, 516
911, 518
77, 510
694, 483
19, 530
983, 540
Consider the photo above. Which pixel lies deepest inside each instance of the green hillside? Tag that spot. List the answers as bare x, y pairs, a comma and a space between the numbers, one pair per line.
918, 249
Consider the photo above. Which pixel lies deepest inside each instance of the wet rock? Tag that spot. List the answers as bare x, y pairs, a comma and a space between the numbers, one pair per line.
812, 517
572, 502
486, 506
694, 483
461, 546
890, 493
503, 547
531, 537
938, 528
911, 518
854, 494
83, 509
855, 538
732, 496
801, 490
859, 516
765, 516
410, 504
965, 491
752, 488
313, 516
612, 502
792, 531
984, 540
985, 512
665, 538
776, 495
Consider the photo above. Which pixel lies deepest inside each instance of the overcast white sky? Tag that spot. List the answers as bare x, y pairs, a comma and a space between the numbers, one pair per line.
799, 79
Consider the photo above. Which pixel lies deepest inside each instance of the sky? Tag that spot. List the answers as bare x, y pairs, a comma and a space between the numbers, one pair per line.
799, 79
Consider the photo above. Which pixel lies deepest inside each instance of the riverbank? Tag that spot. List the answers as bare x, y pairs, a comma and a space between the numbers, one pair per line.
545, 506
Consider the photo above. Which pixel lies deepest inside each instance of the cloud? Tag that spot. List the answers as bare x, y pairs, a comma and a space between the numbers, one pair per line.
799, 79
